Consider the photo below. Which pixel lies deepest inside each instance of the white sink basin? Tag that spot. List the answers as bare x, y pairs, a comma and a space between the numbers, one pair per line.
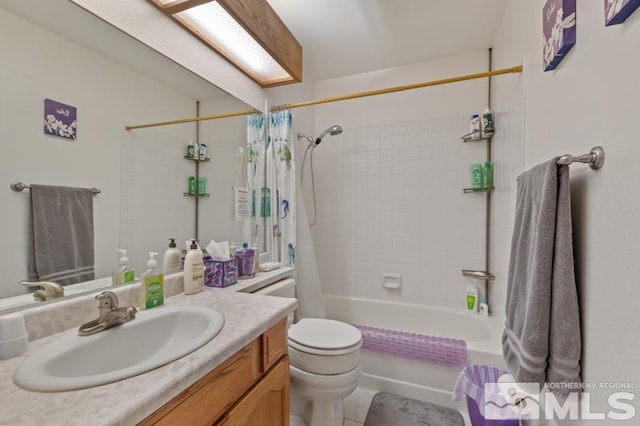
154, 338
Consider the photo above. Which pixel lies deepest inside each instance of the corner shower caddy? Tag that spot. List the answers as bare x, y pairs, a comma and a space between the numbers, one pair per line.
197, 191
483, 136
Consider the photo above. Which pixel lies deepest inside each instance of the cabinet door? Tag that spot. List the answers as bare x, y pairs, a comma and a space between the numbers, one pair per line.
267, 404
207, 399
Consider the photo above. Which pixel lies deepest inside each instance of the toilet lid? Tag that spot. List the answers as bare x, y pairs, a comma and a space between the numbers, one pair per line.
324, 334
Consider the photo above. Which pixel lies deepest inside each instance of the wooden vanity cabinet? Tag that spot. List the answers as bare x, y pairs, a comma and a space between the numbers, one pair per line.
251, 388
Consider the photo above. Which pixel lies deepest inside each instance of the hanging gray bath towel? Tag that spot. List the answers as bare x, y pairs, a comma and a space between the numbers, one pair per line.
61, 234
541, 342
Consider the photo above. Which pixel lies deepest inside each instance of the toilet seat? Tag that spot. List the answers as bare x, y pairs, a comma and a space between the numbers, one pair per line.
325, 347
324, 335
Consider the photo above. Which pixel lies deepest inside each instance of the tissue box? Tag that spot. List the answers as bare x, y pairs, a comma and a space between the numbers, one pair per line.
220, 273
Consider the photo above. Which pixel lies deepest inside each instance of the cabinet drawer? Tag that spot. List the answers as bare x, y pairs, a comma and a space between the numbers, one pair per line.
274, 344
207, 399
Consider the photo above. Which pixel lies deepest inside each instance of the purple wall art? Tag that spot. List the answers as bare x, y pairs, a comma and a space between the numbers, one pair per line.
559, 29
60, 119
617, 11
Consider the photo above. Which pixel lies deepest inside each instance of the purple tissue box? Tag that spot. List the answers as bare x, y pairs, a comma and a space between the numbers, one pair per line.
218, 273
221, 273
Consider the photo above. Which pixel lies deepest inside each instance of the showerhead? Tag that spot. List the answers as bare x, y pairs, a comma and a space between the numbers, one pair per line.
333, 130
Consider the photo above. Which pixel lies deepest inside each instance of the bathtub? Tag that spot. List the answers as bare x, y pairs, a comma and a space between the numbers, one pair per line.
414, 379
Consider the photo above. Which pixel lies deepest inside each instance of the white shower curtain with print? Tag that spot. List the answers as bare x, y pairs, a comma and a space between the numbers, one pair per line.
253, 229
278, 194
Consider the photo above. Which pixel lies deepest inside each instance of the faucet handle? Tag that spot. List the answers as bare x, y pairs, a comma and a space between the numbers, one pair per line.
48, 289
107, 299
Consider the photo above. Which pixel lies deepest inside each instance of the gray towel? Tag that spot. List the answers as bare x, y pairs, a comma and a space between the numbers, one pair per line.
541, 342
61, 240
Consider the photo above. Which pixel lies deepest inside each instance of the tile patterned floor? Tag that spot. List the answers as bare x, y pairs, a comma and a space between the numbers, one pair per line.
356, 406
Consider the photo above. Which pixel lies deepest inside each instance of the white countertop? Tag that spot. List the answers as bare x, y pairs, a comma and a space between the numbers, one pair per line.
130, 401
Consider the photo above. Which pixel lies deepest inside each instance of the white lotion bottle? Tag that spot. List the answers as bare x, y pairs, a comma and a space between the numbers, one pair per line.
193, 270
172, 259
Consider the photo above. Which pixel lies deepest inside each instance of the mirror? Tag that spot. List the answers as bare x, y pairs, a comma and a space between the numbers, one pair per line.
112, 80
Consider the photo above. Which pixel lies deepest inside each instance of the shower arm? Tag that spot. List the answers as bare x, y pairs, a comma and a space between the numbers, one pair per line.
309, 139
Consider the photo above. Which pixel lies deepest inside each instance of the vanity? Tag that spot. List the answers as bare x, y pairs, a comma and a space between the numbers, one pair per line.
239, 377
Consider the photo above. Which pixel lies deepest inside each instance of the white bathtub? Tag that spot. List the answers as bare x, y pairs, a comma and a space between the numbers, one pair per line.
414, 379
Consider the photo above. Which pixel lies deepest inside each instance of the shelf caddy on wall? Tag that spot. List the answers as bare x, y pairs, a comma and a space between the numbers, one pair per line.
478, 137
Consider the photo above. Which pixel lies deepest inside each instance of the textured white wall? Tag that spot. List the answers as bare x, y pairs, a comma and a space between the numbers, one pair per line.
592, 98
141, 171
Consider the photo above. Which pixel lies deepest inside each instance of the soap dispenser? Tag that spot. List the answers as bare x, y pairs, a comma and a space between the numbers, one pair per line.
193, 270
123, 273
172, 258
151, 285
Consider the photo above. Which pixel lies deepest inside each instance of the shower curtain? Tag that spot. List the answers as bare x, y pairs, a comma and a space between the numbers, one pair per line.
253, 228
277, 202
272, 171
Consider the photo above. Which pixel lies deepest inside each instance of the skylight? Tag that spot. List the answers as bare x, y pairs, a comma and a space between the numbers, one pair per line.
241, 38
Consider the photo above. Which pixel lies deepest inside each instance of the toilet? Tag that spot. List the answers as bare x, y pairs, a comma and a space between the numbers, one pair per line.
324, 357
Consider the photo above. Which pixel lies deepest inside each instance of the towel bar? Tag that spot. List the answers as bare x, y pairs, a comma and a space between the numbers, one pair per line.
19, 186
595, 158
479, 275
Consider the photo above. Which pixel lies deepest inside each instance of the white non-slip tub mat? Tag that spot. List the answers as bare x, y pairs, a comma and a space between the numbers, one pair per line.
388, 409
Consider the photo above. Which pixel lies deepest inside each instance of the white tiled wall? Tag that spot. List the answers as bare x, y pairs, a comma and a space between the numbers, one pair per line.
154, 178
390, 200
153, 208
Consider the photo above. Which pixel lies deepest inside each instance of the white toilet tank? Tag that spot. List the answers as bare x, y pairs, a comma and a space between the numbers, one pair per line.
282, 288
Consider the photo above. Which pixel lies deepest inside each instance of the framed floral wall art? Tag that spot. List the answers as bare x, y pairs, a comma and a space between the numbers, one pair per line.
60, 119
617, 11
559, 30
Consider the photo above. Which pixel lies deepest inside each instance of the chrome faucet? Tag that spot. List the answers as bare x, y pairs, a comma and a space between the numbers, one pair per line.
48, 290
109, 314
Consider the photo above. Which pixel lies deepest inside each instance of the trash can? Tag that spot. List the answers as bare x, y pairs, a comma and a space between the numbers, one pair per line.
471, 383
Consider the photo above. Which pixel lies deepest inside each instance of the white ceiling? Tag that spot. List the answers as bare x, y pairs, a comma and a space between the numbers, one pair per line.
341, 37
74, 23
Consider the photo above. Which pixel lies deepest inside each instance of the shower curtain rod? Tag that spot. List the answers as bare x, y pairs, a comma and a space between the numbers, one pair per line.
510, 70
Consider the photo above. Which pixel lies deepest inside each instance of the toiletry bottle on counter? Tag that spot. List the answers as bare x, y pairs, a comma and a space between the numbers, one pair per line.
244, 257
193, 270
471, 299
123, 273
151, 285
172, 258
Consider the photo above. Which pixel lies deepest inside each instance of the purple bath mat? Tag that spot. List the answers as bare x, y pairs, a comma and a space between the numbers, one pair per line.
418, 347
